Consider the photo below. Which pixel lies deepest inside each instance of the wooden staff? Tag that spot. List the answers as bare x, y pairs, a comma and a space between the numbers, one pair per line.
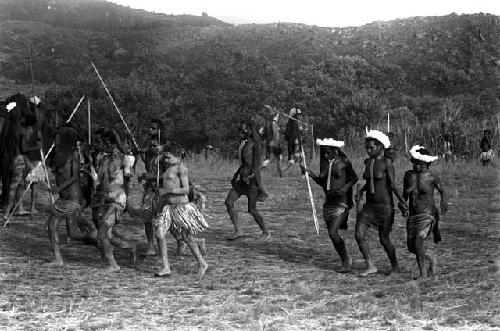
29, 185
114, 104
309, 190
158, 163
88, 120
290, 117
74, 110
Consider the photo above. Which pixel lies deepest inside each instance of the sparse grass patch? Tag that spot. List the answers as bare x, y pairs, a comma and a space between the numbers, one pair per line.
289, 283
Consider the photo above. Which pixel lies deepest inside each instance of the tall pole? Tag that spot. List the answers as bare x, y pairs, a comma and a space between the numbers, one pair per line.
388, 123
88, 120
158, 163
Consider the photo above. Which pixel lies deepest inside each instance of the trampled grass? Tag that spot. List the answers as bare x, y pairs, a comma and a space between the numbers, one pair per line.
289, 283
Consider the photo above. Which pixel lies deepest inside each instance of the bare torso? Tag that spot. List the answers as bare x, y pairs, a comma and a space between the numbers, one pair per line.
174, 178
382, 193
67, 172
420, 189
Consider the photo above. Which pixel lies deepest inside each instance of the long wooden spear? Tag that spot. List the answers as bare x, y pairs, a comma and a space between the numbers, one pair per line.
74, 110
286, 115
29, 185
114, 104
309, 190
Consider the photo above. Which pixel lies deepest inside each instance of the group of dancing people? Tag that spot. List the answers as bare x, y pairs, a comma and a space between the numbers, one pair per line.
98, 175
337, 178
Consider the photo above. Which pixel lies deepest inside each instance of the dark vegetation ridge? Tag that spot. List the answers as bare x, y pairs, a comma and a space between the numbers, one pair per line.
203, 74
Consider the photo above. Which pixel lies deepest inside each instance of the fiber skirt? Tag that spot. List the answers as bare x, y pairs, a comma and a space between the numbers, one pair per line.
183, 217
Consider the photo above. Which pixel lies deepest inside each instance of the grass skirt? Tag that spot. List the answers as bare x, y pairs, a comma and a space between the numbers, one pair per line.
36, 174
183, 217
65, 208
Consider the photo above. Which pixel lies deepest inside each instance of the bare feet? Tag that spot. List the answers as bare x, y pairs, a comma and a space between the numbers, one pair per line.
235, 235
149, 252
164, 272
370, 270
110, 269
55, 263
202, 268
346, 266
395, 270
21, 212
266, 235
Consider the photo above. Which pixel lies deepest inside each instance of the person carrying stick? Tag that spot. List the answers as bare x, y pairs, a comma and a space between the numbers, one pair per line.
336, 179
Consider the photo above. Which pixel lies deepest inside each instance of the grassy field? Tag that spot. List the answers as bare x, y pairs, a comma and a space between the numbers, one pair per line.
289, 283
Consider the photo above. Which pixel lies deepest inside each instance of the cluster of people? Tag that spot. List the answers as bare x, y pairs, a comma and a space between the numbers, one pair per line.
98, 175
337, 178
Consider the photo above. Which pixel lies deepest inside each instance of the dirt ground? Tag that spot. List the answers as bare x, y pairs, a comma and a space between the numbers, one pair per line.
288, 283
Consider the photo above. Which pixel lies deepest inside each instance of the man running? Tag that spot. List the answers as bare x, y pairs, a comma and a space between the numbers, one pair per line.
336, 180
113, 202
419, 185
378, 211
69, 205
247, 180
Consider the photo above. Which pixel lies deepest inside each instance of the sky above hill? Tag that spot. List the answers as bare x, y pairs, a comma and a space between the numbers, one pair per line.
332, 13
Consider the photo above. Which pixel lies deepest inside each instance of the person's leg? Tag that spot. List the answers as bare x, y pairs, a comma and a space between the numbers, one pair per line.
231, 198
338, 241
193, 245
14, 185
106, 223
360, 230
421, 256
383, 233
252, 195
181, 244
53, 225
34, 198
162, 247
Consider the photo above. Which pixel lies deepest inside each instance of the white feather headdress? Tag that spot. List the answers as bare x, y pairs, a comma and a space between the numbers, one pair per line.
11, 106
35, 100
424, 158
330, 142
380, 136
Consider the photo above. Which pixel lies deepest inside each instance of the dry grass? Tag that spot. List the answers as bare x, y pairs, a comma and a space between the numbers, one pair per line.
289, 283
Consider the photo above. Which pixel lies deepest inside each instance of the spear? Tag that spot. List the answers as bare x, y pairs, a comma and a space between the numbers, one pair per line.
29, 185
309, 190
114, 104
74, 110
88, 116
286, 115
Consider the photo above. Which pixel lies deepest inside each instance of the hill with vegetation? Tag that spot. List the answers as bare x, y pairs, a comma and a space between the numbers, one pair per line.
202, 75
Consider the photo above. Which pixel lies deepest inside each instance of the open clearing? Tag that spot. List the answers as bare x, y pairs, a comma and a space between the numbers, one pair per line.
288, 283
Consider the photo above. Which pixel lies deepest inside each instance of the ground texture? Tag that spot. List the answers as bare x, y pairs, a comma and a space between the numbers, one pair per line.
288, 283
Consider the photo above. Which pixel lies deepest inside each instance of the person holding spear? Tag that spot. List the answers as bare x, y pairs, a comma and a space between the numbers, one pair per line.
336, 179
